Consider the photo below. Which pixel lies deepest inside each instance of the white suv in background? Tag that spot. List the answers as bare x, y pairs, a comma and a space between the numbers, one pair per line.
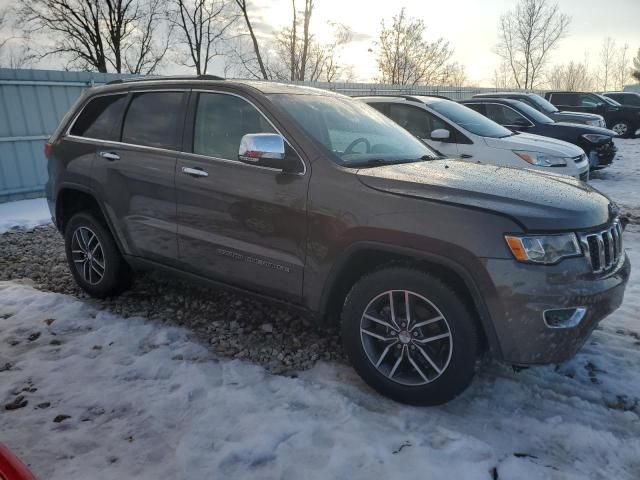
459, 132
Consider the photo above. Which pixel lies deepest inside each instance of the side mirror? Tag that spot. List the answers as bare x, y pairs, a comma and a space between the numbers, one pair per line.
440, 134
267, 150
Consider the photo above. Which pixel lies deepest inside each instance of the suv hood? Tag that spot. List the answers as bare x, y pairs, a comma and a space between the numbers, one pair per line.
536, 143
577, 115
581, 129
538, 201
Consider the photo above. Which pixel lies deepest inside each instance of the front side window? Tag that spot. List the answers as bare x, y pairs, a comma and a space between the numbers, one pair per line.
589, 101
469, 120
629, 100
504, 115
352, 133
99, 117
154, 119
220, 123
419, 122
534, 114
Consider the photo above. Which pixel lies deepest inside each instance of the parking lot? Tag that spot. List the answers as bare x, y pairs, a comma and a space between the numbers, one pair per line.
172, 380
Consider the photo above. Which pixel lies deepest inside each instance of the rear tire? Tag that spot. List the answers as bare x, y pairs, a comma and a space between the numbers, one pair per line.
93, 256
427, 357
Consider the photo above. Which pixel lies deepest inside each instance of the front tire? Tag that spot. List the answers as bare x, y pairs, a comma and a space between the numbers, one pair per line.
94, 258
622, 128
410, 336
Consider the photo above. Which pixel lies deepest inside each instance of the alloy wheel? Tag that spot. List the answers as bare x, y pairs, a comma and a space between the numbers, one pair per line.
88, 255
620, 128
406, 337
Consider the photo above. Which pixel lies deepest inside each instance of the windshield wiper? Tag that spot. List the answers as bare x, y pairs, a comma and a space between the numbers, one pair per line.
378, 162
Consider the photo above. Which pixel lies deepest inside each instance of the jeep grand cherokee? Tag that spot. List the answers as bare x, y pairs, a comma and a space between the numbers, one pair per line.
319, 201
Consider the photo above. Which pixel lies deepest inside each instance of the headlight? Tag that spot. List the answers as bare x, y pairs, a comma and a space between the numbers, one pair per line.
546, 249
593, 123
595, 137
541, 159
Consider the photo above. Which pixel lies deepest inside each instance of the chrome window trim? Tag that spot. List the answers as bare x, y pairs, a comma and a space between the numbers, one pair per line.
115, 143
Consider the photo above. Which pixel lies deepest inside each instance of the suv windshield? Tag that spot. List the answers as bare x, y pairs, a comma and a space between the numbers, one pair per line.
353, 133
534, 114
470, 120
544, 105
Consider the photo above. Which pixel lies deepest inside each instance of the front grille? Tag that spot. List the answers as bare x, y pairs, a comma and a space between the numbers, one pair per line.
603, 248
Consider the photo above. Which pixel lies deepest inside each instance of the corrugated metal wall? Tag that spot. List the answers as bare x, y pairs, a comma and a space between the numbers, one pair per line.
32, 102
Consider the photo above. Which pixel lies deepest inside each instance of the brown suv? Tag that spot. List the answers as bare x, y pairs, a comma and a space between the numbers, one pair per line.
317, 200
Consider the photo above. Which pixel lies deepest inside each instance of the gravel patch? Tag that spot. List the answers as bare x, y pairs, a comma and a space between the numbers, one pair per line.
232, 325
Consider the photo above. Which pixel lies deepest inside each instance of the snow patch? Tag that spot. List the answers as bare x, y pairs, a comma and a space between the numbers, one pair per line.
24, 214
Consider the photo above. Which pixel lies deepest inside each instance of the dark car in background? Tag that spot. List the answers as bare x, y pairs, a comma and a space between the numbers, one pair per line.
629, 99
596, 142
550, 110
622, 119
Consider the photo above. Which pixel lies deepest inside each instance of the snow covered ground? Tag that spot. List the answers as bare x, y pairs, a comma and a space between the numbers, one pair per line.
110, 398
24, 214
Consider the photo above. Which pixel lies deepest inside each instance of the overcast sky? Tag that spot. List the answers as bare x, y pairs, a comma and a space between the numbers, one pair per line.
470, 26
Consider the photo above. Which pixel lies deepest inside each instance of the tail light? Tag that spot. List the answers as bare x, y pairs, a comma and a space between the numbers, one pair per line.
47, 150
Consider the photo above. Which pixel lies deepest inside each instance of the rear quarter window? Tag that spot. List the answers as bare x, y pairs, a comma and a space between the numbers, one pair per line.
100, 118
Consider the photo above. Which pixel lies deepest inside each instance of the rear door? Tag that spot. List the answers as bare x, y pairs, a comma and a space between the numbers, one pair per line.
238, 223
136, 175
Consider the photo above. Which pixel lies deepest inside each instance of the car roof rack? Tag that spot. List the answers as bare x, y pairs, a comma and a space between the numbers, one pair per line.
168, 77
413, 98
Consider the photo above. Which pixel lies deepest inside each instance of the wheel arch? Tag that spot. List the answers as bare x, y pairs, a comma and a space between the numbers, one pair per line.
365, 257
74, 198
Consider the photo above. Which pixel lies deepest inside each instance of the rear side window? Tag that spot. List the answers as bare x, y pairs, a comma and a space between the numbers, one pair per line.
99, 118
563, 99
221, 122
154, 119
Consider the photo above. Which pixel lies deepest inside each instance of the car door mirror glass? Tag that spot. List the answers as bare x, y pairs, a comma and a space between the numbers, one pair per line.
266, 150
440, 134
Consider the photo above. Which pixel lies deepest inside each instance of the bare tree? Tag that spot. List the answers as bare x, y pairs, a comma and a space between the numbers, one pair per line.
573, 76
636, 67
116, 35
405, 57
242, 5
527, 35
607, 61
622, 70
203, 27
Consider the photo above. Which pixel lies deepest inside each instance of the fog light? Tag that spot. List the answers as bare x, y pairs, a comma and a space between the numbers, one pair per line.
564, 317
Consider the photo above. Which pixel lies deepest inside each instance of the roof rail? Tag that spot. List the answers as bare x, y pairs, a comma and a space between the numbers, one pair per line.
168, 77
413, 98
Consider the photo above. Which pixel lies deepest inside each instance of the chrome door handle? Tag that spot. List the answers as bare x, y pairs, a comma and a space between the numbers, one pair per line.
466, 155
109, 155
195, 172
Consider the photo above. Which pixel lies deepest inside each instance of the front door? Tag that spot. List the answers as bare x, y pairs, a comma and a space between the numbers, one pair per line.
238, 223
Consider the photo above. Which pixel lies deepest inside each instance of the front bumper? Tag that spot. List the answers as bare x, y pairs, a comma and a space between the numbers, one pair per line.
523, 292
606, 153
